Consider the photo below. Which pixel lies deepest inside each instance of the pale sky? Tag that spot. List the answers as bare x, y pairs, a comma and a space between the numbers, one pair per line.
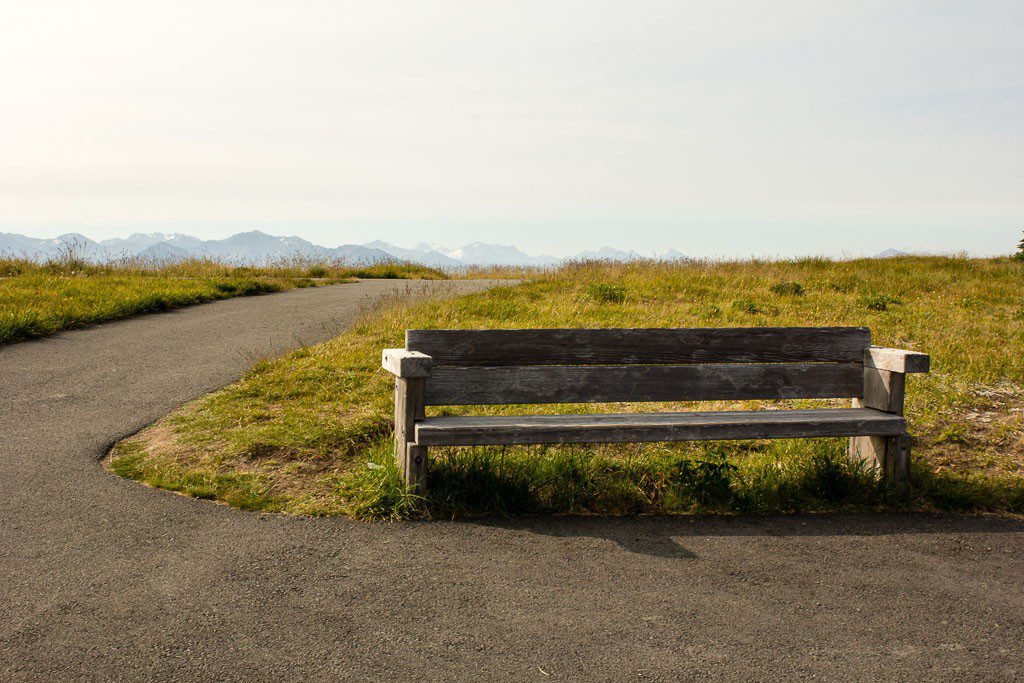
715, 128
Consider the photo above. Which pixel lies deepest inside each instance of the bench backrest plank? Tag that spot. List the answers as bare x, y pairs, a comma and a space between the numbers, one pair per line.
493, 367
680, 346
637, 383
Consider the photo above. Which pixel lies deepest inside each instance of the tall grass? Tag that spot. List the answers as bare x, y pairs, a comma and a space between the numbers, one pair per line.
68, 290
316, 423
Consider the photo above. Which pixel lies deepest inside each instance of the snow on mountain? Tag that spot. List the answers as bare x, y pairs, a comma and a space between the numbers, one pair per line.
77, 242
357, 255
133, 244
255, 246
439, 248
612, 254
32, 247
607, 254
480, 254
70, 244
419, 254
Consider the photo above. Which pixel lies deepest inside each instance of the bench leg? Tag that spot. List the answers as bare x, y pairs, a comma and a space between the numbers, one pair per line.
889, 456
415, 467
410, 405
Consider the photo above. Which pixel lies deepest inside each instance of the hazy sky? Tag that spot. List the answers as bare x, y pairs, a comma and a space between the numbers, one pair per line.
716, 128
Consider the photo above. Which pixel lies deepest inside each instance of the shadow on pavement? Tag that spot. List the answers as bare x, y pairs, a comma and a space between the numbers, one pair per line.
657, 536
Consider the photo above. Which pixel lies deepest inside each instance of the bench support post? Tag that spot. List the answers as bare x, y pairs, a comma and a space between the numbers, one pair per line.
889, 456
410, 405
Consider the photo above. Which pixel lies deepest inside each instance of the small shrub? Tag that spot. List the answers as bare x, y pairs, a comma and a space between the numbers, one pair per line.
1019, 256
248, 287
754, 308
607, 293
226, 287
317, 271
705, 482
828, 479
709, 312
878, 302
787, 289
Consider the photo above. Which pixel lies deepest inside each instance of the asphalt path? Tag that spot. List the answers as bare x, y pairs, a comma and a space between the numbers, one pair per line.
104, 579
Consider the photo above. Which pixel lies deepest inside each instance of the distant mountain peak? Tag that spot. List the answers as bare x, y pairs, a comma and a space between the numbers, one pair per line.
163, 252
73, 237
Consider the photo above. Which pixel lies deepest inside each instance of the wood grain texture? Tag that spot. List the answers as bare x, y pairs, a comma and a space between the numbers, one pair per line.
889, 457
409, 407
645, 427
641, 346
606, 384
403, 363
896, 360
883, 390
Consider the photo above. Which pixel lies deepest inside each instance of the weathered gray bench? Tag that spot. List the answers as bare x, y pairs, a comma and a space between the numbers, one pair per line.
501, 367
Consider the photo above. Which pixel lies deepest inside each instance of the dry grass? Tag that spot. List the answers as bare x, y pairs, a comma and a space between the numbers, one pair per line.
309, 431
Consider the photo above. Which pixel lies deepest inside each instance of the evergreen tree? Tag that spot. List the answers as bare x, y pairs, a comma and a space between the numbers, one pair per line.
1020, 250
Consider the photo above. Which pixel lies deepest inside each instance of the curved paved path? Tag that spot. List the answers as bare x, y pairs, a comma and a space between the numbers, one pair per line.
103, 579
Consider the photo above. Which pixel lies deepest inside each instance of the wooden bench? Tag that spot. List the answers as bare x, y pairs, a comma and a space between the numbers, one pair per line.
501, 367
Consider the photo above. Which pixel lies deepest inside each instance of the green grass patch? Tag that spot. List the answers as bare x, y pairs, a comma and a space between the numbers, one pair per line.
37, 299
314, 425
787, 289
604, 293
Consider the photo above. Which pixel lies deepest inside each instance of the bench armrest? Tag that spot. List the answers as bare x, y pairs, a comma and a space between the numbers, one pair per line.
402, 363
896, 360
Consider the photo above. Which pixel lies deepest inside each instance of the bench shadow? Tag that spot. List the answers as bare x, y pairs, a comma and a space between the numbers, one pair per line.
666, 536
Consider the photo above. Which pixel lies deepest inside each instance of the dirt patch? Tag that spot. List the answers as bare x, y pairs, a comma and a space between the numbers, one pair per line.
985, 436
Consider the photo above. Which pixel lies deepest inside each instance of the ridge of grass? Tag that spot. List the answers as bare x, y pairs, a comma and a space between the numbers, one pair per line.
38, 299
310, 431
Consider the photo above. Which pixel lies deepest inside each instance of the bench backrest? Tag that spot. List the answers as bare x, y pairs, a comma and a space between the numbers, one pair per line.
489, 367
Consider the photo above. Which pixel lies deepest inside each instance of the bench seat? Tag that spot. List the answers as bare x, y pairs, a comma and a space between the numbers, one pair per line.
637, 427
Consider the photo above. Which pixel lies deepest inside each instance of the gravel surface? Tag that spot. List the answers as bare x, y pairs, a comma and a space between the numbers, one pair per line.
104, 579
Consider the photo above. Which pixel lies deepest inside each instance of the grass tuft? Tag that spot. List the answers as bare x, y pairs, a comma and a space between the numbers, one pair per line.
787, 289
878, 302
604, 293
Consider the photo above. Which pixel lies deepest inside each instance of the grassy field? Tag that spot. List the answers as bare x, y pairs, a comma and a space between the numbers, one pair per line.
309, 433
37, 299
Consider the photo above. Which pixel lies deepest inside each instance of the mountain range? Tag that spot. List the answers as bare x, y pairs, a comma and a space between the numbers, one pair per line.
259, 247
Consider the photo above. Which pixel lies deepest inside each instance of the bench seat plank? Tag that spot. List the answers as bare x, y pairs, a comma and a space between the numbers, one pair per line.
642, 383
639, 427
672, 346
